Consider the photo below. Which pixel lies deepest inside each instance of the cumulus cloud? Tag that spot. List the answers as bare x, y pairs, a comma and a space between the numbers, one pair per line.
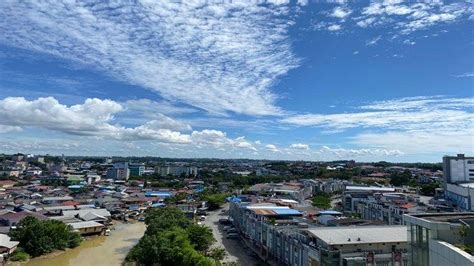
334, 27
95, 118
340, 12
299, 146
217, 57
272, 148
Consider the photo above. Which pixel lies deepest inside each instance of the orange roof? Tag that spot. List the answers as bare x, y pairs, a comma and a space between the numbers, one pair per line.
70, 203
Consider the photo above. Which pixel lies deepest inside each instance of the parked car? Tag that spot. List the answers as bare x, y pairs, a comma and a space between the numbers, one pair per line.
224, 221
232, 236
232, 231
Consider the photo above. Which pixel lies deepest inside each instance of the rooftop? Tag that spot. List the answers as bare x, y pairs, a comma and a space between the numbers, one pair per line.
449, 217
347, 235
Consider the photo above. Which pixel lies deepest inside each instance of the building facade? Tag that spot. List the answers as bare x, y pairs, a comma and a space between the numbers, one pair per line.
434, 238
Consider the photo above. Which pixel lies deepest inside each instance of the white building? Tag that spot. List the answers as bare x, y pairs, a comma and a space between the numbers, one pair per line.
459, 180
458, 168
434, 238
176, 170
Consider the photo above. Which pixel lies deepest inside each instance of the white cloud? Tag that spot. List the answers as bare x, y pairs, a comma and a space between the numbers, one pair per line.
95, 118
374, 41
416, 121
299, 146
355, 52
217, 57
7, 129
350, 153
148, 107
410, 17
272, 148
334, 27
366, 22
340, 12
465, 75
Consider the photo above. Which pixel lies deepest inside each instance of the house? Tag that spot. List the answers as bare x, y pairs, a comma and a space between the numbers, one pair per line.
6, 245
87, 227
12, 219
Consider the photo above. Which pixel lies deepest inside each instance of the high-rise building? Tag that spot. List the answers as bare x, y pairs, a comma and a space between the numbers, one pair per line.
458, 169
459, 180
136, 169
119, 171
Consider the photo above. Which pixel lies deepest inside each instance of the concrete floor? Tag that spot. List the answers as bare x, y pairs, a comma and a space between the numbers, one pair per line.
236, 250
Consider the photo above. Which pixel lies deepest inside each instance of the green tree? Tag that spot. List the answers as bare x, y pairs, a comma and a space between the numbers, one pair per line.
200, 237
217, 254
160, 219
41, 237
322, 201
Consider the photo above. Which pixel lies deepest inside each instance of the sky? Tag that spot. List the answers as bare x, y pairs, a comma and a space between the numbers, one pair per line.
292, 80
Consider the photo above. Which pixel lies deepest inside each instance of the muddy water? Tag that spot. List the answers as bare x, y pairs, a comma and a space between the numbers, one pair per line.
101, 250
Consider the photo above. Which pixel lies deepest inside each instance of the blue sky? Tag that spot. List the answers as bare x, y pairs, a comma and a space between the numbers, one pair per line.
276, 80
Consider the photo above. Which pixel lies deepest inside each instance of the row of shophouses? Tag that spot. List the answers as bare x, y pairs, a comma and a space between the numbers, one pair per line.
283, 236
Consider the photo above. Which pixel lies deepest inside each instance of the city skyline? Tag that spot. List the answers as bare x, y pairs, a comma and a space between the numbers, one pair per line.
295, 81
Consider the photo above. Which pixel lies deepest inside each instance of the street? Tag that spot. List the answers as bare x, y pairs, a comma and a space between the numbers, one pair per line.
236, 250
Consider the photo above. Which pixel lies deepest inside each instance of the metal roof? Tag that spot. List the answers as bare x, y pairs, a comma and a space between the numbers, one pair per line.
349, 235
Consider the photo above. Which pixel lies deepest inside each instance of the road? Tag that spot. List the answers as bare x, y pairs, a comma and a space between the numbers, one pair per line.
236, 250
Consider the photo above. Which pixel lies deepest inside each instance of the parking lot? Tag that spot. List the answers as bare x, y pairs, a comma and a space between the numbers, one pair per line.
236, 250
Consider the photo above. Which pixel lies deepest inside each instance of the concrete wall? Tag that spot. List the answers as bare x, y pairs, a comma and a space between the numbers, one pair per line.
443, 253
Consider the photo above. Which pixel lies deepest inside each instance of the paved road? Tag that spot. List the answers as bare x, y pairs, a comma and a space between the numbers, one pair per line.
236, 250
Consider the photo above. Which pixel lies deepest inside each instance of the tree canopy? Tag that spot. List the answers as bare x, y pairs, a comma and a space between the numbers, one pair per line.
172, 239
41, 237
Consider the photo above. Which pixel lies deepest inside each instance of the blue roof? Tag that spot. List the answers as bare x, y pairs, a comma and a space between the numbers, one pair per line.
75, 186
233, 199
159, 204
330, 212
286, 212
158, 194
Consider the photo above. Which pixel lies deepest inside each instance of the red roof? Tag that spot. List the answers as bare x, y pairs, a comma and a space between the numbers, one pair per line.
70, 203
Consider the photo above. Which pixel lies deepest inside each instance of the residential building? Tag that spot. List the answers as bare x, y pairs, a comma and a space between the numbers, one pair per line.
438, 238
176, 170
7, 246
119, 171
87, 228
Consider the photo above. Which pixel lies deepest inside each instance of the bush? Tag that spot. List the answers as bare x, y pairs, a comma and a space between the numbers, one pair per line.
19, 255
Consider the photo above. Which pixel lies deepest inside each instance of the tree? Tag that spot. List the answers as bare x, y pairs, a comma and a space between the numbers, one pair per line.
40, 237
322, 201
200, 237
217, 254
171, 239
160, 219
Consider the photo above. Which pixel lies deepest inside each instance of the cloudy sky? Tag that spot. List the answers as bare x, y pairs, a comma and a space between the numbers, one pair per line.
265, 79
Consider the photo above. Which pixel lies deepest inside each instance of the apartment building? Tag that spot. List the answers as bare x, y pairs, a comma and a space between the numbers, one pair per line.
459, 181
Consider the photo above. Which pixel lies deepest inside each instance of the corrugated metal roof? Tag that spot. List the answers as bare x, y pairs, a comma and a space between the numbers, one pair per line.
358, 235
